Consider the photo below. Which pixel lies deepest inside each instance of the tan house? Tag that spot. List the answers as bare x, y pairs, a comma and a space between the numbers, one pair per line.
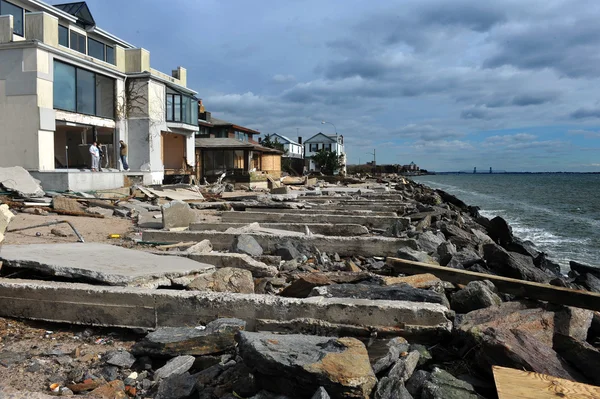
65, 83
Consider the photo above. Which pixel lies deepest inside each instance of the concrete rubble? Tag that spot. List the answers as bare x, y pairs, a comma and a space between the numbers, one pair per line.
18, 180
289, 293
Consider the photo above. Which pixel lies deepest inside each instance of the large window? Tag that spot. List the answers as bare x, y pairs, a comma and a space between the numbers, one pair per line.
217, 162
79, 90
181, 108
63, 35
7, 8
77, 42
101, 51
241, 136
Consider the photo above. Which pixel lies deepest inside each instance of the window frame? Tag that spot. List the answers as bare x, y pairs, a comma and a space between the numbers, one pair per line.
68, 35
103, 45
22, 34
78, 41
170, 114
94, 94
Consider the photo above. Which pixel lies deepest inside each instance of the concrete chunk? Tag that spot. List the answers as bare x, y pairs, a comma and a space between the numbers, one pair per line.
5, 217
100, 263
240, 261
328, 229
177, 214
175, 366
19, 180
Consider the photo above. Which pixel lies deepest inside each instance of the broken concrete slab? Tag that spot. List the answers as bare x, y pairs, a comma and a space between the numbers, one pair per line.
203, 247
216, 337
5, 217
67, 204
150, 308
240, 261
101, 263
327, 229
177, 214
227, 279
267, 217
318, 211
148, 221
18, 180
343, 246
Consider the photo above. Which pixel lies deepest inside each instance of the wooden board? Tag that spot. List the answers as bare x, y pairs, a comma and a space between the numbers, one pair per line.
517, 384
521, 288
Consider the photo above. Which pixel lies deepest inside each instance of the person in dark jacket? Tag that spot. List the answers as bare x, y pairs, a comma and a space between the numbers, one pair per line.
124, 155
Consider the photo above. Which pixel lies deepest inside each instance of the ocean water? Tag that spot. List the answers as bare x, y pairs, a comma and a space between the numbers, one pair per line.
559, 213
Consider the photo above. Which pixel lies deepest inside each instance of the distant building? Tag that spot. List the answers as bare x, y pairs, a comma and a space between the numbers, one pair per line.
412, 167
320, 141
294, 149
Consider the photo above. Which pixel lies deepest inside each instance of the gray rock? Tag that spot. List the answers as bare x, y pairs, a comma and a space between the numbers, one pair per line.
512, 264
429, 242
500, 231
121, 359
443, 385
217, 337
580, 354
203, 247
415, 383
465, 258
476, 295
246, 244
451, 230
416, 256
582, 268
177, 386
384, 353
227, 279
396, 292
424, 355
321, 394
303, 363
96, 210
177, 365
404, 367
589, 281
573, 322
264, 395
398, 227
281, 190
287, 251
446, 251
389, 388
177, 214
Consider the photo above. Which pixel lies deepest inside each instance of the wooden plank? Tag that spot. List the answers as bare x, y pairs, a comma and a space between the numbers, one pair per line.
517, 384
521, 288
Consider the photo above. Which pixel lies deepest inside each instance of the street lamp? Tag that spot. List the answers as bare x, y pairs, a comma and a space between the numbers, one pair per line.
336, 135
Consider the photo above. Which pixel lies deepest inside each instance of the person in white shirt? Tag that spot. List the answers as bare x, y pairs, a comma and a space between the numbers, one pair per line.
95, 153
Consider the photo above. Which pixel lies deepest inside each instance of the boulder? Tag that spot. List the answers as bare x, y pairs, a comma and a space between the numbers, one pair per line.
443, 385
463, 259
287, 251
177, 386
589, 281
446, 251
300, 364
416, 256
384, 353
429, 242
526, 248
177, 214
302, 286
175, 366
216, 337
573, 322
399, 292
512, 264
388, 388
583, 356
476, 295
582, 268
451, 199
500, 231
450, 230
515, 334
541, 261
414, 385
424, 281
121, 359
404, 367
227, 279
203, 247
246, 244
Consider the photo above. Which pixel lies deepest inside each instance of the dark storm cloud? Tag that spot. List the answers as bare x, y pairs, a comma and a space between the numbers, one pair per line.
478, 16
583, 113
569, 46
525, 100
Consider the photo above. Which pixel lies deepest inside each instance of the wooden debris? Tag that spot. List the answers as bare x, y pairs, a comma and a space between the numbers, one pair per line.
178, 245
517, 384
521, 288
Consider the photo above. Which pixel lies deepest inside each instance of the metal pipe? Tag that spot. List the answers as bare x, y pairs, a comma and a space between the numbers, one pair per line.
80, 238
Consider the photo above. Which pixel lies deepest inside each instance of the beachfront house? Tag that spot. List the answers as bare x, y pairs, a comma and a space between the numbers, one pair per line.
320, 141
65, 83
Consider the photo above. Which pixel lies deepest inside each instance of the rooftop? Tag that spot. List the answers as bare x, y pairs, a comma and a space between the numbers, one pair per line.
233, 144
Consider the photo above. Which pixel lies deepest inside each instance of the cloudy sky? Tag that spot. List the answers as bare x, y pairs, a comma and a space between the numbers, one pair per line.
450, 85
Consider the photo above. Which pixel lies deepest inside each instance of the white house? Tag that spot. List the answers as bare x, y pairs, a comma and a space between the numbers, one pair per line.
320, 141
294, 149
65, 83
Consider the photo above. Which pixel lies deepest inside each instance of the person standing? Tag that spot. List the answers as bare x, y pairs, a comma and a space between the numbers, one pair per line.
124, 155
95, 153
